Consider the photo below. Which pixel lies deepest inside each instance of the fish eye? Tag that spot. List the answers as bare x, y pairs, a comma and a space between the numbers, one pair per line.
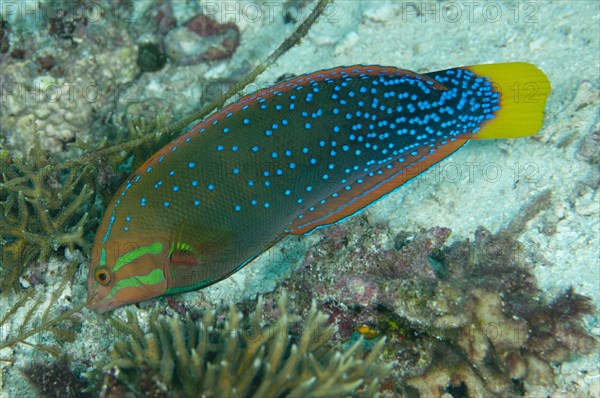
103, 275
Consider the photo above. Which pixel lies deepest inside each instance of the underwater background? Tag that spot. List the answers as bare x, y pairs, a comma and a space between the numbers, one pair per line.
480, 277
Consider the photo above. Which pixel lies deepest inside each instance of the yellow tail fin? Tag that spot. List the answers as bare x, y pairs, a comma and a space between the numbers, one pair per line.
523, 92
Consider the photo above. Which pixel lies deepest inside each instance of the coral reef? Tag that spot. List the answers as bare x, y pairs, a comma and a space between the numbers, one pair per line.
465, 319
460, 320
48, 206
238, 356
66, 74
50, 200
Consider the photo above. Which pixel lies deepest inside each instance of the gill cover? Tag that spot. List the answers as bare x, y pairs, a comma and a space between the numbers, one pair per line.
122, 274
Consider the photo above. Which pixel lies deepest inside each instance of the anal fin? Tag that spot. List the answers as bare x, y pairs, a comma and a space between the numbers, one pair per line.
373, 188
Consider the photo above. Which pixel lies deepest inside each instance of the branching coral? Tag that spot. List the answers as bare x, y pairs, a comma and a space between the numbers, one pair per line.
240, 357
36, 312
42, 211
47, 206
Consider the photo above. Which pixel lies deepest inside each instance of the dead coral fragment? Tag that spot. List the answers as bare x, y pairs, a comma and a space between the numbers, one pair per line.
241, 357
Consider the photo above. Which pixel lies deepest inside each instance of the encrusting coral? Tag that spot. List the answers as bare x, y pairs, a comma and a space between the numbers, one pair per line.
239, 357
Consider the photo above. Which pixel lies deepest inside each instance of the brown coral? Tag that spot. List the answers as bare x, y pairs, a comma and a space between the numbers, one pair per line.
241, 357
41, 212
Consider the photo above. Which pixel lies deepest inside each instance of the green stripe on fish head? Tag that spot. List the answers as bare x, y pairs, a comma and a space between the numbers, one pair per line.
123, 273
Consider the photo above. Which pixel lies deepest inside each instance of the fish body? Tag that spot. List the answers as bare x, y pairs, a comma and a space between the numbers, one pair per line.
302, 154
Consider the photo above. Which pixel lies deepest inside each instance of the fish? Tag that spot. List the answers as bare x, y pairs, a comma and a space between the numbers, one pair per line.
302, 154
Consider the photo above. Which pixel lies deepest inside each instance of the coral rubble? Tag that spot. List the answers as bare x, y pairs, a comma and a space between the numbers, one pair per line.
67, 72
